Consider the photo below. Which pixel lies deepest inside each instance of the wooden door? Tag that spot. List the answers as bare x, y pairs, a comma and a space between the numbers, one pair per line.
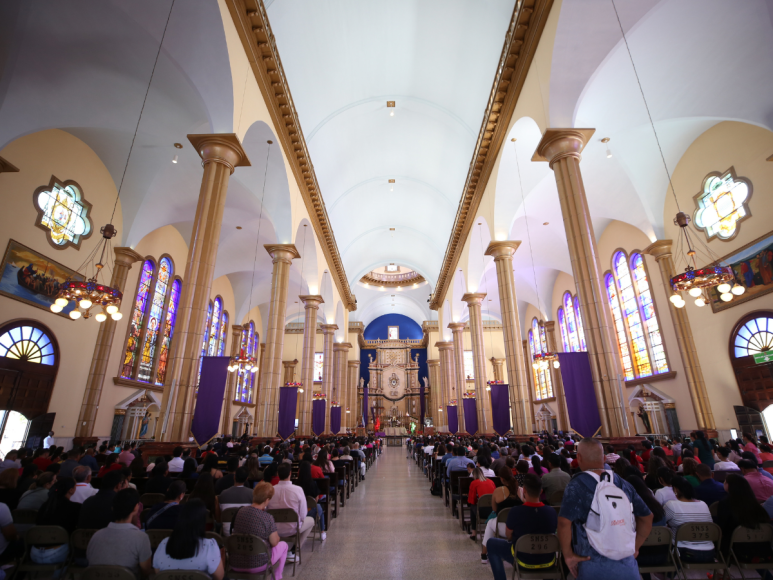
755, 382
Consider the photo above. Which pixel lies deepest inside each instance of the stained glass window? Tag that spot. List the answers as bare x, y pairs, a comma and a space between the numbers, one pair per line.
27, 343
721, 205
469, 366
580, 327
571, 323
214, 328
755, 336
137, 320
536, 346
63, 213
648, 312
166, 342
622, 339
245, 381
205, 340
319, 366
155, 318
632, 317
562, 326
223, 334
543, 386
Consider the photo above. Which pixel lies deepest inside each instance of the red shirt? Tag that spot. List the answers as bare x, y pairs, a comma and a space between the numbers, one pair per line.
479, 488
113, 467
316, 472
42, 462
646, 455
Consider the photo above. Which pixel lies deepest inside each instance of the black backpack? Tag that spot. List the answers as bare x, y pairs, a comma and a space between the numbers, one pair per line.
436, 489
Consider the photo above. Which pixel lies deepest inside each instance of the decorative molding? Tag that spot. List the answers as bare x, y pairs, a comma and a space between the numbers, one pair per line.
8, 167
523, 35
651, 379
251, 22
392, 280
131, 383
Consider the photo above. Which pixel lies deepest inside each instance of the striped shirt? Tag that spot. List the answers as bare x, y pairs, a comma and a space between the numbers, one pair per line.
685, 512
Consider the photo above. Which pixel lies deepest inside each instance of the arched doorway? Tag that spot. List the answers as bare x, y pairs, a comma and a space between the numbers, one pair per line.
753, 335
29, 361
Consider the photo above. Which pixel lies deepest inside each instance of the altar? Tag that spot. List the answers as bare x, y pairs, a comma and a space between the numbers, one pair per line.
394, 387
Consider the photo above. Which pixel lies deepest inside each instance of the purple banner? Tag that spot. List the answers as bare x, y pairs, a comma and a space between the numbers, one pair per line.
209, 401
453, 419
470, 407
288, 402
580, 394
365, 406
422, 405
335, 420
500, 408
318, 407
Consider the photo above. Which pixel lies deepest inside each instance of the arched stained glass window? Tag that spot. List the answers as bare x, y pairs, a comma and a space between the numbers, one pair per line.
223, 334
755, 336
155, 318
166, 341
214, 329
571, 323
137, 320
205, 339
245, 381
562, 326
28, 344
580, 327
636, 322
543, 386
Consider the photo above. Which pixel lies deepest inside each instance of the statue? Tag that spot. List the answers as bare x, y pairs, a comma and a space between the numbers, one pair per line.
145, 421
644, 416
362, 382
426, 382
370, 358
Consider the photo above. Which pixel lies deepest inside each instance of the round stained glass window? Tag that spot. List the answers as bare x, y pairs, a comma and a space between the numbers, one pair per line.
753, 337
27, 343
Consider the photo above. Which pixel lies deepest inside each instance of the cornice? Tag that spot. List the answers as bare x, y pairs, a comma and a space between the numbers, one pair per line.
7, 167
368, 279
254, 29
523, 35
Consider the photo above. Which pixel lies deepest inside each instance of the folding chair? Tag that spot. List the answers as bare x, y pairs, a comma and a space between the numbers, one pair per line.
108, 573
24, 520
288, 516
713, 509
156, 537
464, 491
453, 486
181, 575
227, 517
743, 535
311, 504
701, 532
660, 536
538, 544
148, 500
484, 501
556, 497
42, 536
323, 484
217, 537
79, 543
245, 545
501, 519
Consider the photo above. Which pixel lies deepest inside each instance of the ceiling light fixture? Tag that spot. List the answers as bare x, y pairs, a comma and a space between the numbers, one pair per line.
545, 223
174, 159
695, 281
391, 105
606, 140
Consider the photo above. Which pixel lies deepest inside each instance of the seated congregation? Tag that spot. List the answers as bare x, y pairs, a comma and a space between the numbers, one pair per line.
555, 507
229, 509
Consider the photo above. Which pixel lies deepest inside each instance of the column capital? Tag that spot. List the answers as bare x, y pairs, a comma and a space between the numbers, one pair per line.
223, 148
433, 362
126, 256
341, 346
550, 325
473, 298
311, 300
290, 363
560, 143
502, 249
236, 329
496, 360
282, 252
444, 345
456, 327
659, 249
328, 328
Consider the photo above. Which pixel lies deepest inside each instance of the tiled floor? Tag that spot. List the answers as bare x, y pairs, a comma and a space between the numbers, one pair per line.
392, 528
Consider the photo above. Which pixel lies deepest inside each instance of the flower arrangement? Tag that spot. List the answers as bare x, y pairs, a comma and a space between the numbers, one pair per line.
293, 384
319, 396
452, 403
495, 382
335, 404
542, 361
468, 396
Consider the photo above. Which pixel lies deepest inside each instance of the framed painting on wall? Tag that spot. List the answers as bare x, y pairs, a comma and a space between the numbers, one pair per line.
30, 277
753, 269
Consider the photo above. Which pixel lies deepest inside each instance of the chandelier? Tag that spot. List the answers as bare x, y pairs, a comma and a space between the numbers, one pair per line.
90, 294
243, 363
696, 282
542, 361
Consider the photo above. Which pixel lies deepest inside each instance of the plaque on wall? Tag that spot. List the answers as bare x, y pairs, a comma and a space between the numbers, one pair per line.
753, 268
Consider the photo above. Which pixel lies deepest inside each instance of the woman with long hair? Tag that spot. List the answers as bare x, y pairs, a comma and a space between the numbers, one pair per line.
504, 497
741, 508
270, 473
57, 511
210, 466
521, 470
138, 465
686, 509
188, 547
323, 462
536, 466
111, 464
189, 469
661, 453
619, 467
254, 472
205, 491
688, 471
37, 494
479, 487
651, 479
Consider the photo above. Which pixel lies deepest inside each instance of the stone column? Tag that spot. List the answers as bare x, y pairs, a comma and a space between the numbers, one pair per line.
562, 148
289, 371
124, 258
457, 329
517, 366
438, 402
236, 346
558, 383
661, 251
483, 397
311, 309
340, 382
328, 366
221, 153
530, 387
267, 398
351, 399
497, 366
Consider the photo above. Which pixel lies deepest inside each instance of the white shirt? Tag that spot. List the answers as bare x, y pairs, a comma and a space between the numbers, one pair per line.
665, 494
725, 466
83, 491
429, 449
488, 472
176, 465
48, 442
287, 495
683, 512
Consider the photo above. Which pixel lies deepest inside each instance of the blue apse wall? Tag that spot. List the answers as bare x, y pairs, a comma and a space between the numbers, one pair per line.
379, 329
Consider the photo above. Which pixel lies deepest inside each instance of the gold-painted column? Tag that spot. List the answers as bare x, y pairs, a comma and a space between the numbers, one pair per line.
289, 371
517, 369
220, 154
531, 388
237, 332
124, 258
267, 407
351, 399
558, 383
562, 148
311, 309
483, 396
661, 251
340, 382
328, 366
457, 330
438, 398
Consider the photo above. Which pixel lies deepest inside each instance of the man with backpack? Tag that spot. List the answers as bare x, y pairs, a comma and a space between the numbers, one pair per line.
603, 522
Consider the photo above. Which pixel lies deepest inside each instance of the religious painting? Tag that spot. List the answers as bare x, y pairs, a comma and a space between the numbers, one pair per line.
394, 333
30, 277
753, 269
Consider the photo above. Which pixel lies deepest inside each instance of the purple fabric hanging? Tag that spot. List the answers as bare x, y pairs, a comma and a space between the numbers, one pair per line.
580, 394
500, 408
453, 419
422, 405
470, 407
288, 402
335, 420
365, 406
318, 407
209, 401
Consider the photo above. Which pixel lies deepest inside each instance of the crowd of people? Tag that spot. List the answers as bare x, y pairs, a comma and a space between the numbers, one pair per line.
224, 489
556, 486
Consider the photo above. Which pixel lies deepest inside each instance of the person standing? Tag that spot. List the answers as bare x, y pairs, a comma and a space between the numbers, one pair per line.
49, 441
